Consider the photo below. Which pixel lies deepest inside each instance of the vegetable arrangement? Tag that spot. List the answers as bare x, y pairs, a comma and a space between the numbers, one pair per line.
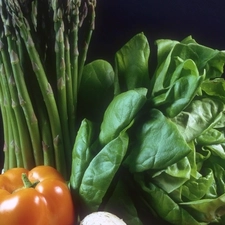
129, 141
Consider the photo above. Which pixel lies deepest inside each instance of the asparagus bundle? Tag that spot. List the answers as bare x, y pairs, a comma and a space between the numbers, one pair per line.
41, 63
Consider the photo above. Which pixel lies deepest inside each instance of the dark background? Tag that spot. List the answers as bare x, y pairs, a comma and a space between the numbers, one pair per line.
117, 21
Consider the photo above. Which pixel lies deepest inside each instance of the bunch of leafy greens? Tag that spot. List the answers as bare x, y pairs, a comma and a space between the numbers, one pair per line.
153, 143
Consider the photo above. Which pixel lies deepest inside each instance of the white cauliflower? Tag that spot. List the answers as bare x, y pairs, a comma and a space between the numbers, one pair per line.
102, 218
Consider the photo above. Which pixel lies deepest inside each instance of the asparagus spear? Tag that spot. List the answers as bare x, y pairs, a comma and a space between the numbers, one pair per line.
91, 4
73, 38
44, 84
21, 134
7, 115
43, 70
58, 14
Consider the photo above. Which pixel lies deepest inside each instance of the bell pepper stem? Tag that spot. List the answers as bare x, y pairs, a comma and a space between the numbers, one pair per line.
27, 183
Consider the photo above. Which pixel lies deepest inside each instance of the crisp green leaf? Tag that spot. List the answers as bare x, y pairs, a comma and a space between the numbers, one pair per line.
202, 155
211, 137
208, 210
121, 204
184, 84
219, 173
221, 123
158, 144
161, 74
120, 113
199, 116
217, 149
165, 207
173, 176
132, 64
208, 61
206, 58
96, 89
215, 88
101, 171
81, 155
197, 188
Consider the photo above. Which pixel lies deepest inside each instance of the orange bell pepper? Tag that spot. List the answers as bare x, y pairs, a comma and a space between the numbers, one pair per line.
45, 198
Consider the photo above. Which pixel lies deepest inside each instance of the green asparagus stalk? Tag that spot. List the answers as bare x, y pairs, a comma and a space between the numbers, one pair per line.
12, 127
75, 20
24, 152
27, 107
49, 101
5, 128
22, 136
91, 4
11, 146
47, 145
6, 136
45, 86
7, 115
69, 92
61, 77
24, 99
42, 70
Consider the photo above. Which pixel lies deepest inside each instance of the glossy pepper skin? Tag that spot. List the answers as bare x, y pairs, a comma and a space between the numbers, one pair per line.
48, 203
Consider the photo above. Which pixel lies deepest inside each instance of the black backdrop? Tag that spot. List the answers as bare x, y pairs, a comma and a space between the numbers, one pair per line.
119, 20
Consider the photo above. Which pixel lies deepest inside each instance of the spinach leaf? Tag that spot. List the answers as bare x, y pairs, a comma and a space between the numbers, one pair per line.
101, 171
95, 90
81, 155
120, 113
121, 204
158, 144
131, 66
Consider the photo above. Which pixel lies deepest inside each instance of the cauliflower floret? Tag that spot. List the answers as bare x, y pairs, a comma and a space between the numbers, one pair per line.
102, 218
